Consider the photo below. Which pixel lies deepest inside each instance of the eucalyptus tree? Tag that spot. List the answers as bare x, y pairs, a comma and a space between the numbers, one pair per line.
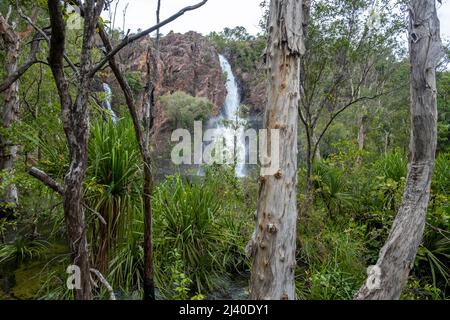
388, 277
11, 38
273, 244
350, 53
10, 107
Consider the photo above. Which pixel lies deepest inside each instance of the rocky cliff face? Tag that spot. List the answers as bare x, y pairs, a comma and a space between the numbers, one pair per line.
187, 62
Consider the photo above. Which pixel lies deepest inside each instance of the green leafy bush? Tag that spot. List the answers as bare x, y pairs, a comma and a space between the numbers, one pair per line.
185, 220
183, 109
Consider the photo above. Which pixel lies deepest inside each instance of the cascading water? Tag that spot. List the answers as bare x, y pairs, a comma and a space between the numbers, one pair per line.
229, 124
107, 103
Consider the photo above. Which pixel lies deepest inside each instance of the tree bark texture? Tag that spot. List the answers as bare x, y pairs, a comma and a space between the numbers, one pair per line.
10, 108
397, 256
273, 243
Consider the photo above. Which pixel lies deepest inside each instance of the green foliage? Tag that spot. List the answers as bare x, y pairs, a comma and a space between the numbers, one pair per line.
125, 268
330, 188
22, 249
112, 183
392, 166
135, 81
185, 219
54, 286
421, 290
443, 101
182, 283
335, 248
330, 259
183, 109
441, 177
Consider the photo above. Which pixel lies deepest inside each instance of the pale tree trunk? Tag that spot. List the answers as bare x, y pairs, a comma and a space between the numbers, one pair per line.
273, 244
10, 109
389, 276
361, 133
387, 138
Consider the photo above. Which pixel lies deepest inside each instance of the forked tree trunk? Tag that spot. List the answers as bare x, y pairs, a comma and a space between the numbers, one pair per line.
397, 256
10, 109
75, 117
273, 243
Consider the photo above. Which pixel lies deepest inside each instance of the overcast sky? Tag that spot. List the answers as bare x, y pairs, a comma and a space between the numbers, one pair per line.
215, 15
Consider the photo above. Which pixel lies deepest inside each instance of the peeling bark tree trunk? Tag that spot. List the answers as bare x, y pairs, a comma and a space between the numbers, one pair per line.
273, 243
398, 254
10, 109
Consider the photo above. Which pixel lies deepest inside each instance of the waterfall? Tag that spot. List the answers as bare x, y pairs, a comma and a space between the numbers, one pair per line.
107, 103
229, 123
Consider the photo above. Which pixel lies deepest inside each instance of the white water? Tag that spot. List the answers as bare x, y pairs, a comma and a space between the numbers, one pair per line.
230, 125
107, 103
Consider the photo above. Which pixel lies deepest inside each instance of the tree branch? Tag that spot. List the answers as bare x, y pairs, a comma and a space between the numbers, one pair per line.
8, 82
46, 179
44, 34
335, 115
127, 40
55, 186
105, 283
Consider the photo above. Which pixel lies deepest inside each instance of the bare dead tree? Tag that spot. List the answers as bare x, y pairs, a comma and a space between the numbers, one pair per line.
105, 283
388, 277
148, 116
124, 13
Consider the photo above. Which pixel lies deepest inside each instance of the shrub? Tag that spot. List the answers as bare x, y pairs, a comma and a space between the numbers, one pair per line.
183, 109
330, 187
185, 220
